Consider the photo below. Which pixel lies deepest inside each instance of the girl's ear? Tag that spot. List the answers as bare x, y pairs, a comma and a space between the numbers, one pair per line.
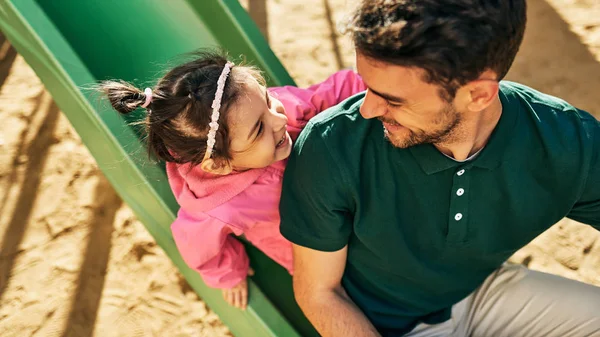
222, 167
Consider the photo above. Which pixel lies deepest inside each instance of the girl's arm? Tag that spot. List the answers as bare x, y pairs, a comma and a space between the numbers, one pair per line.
207, 246
303, 104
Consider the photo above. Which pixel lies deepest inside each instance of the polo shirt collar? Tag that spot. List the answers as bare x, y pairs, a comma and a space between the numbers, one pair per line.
433, 161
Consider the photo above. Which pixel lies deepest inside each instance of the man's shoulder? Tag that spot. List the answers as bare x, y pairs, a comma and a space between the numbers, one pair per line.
550, 113
344, 114
548, 125
340, 126
547, 106
333, 142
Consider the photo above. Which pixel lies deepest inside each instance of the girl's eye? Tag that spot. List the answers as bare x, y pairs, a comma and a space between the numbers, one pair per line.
268, 99
260, 129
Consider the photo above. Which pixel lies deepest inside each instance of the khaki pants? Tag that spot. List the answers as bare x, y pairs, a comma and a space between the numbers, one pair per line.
517, 302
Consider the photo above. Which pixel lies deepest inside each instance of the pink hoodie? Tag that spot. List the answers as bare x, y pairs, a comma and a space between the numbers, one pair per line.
214, 207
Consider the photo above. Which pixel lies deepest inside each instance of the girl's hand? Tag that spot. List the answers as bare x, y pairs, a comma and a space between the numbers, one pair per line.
238, 295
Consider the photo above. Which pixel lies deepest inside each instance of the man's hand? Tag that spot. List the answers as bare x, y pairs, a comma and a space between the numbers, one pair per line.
318, 291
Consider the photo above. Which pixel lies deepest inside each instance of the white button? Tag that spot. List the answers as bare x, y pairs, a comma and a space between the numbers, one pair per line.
458, 216
461, 172
460, 192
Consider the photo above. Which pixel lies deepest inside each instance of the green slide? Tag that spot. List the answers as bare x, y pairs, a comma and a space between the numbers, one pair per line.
74, 43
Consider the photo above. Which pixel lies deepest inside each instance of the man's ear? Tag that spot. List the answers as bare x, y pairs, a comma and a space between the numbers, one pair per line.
483, 91
221, 167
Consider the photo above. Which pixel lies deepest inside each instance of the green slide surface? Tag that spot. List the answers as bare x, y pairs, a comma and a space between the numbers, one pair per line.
72, 44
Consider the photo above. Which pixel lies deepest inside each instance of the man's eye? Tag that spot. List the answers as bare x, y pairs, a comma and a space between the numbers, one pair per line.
395, 105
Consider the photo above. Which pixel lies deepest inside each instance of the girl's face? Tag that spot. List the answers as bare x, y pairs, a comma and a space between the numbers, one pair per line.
257, 127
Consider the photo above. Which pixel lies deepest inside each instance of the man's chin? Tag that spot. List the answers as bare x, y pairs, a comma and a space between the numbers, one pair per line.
399, 142
402, 145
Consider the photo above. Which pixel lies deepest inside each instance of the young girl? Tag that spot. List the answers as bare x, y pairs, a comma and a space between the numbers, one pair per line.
224, 137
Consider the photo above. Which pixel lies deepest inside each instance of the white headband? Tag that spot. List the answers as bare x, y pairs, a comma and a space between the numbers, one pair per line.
216, 105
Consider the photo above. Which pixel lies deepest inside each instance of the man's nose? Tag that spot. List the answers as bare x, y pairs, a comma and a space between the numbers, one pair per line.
372, 106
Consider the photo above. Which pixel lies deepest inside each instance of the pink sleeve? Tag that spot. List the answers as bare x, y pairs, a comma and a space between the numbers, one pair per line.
303, 104
207, 245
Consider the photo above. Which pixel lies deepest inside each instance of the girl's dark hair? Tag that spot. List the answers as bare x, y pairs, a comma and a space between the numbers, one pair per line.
177, 118
454, 41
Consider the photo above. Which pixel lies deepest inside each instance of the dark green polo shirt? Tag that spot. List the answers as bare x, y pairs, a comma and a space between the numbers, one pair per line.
423, 231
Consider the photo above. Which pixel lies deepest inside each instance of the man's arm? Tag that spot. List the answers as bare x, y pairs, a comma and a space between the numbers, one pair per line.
319, 293
587, 208
316, 211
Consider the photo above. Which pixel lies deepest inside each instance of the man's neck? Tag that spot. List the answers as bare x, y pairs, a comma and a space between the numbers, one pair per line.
473, 134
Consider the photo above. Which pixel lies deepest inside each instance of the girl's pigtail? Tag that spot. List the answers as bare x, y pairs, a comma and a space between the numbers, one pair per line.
123, 96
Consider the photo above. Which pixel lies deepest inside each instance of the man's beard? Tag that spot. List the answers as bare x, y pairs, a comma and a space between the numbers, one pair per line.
439, 136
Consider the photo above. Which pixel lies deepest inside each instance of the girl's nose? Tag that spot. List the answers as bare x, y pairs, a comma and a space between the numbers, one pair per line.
278, 114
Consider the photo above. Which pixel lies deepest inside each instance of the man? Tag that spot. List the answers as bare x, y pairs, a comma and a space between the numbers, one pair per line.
404, 202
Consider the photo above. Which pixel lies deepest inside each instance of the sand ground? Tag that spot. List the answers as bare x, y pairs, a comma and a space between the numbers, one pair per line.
74, 261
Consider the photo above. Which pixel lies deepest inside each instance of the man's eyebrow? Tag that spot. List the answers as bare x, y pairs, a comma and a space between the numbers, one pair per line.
388, 96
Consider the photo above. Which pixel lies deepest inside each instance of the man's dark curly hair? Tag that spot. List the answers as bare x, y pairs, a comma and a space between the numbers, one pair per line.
454, 41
